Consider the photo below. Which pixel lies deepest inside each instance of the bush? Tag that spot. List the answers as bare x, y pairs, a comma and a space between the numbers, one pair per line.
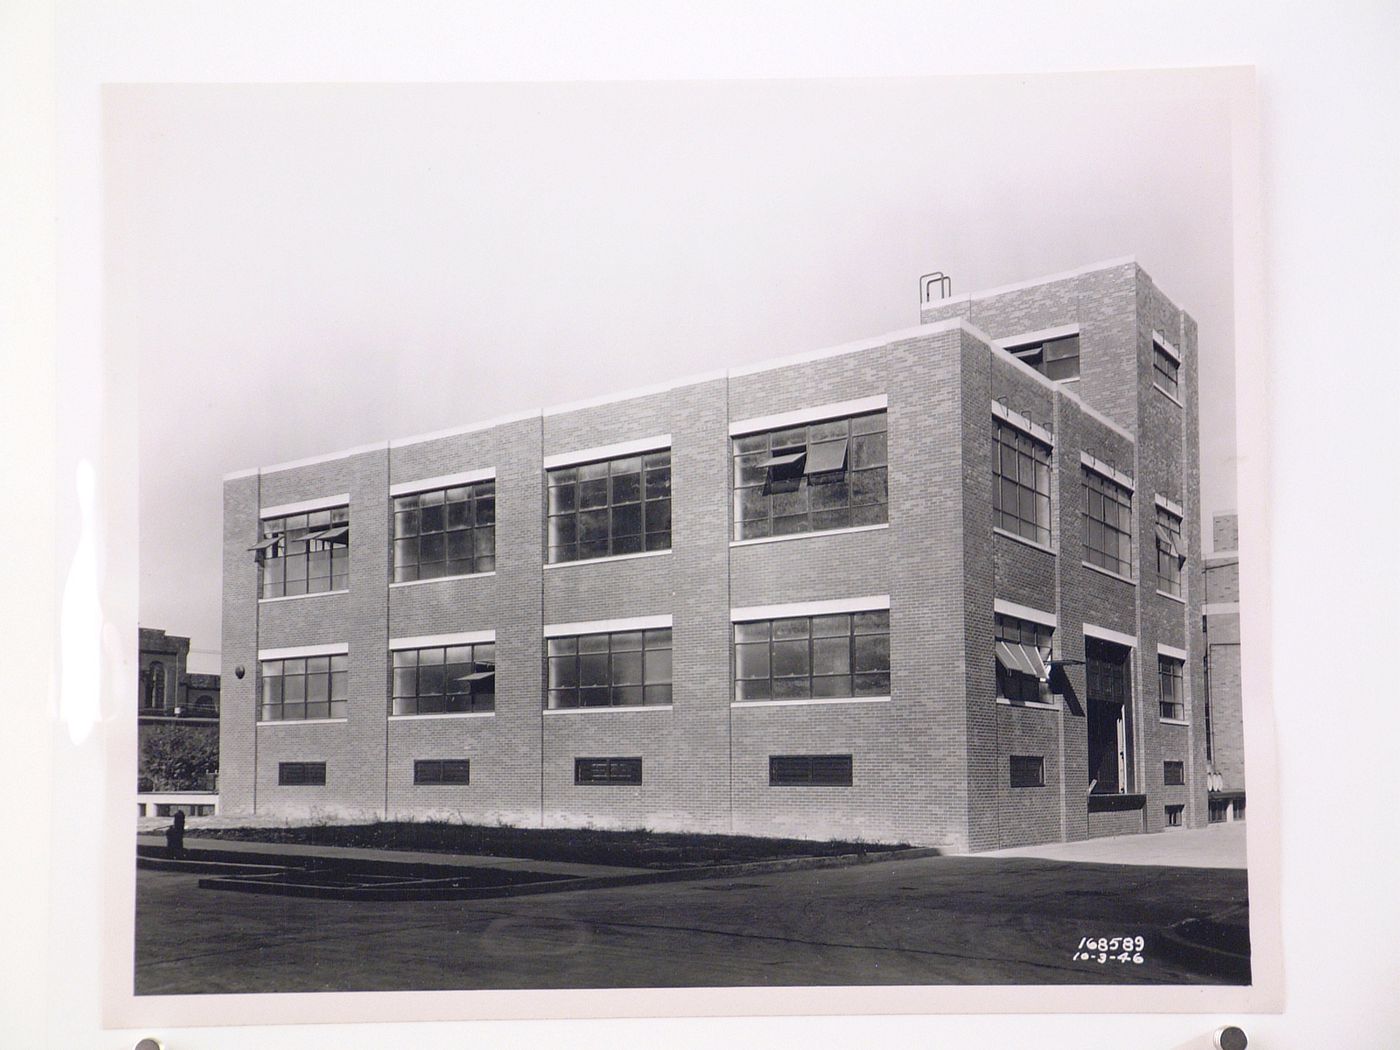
178, 757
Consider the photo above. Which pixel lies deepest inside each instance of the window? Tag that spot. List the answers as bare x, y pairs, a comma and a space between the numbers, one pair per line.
1021, 484
620, 669
305, 553
1218, 810
608, 508
1108, 524
1170, 552
1171, 692
1174, 774
607, 771
301, 774
155, 686
303, 687
811, 478
1027, 771
1173, 814
1165, 366
446, 679
801, 657
442, 771
810, 771
1053, 358
445, 532
1022, 654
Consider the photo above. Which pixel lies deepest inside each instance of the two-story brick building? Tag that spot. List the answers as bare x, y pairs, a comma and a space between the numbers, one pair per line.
942, 586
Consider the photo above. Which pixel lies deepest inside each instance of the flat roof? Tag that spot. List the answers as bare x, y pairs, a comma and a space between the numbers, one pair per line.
870, 343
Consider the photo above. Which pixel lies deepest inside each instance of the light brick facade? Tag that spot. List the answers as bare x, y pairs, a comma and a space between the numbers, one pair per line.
1222, 649
930, 762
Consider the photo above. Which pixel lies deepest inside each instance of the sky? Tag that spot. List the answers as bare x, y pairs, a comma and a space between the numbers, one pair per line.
296, 269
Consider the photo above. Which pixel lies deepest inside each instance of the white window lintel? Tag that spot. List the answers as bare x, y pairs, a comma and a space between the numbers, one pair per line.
304, 506
870, 603
813, 414
633, 623
293, 651
434, 641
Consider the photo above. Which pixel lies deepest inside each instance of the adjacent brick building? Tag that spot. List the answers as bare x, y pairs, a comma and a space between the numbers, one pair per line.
173, 702
1224, 691
942, 586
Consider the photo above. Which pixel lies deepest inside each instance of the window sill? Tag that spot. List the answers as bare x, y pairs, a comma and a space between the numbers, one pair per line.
1171, 597
610, 557
442, 579
1109, 573
999, 531
1036, 706
1174, 721
606, 710
1168, 395
812, 700
442, 714
296, 597
304, 722
808, 535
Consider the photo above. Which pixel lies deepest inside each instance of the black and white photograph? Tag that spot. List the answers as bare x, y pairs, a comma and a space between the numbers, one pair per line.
635, 525
684, 536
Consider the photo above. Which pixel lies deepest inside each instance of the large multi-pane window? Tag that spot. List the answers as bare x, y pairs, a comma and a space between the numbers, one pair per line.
1023, 659
811, 478
1052, 358
611, 507
617, 669
1172, 694
444, 679
1108, 524
1021, 484
800, 657
1170, 552
445, 532
1165, 367
304, 553
302, 687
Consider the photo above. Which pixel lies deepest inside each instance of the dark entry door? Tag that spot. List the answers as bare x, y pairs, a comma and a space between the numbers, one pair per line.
1108, 674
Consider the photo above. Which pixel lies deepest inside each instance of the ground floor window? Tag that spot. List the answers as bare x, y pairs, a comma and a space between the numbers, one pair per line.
810, 771
798, 657
1027, 771
1174, 816
449, 679
301, 774
607, 771
1174, 774
1022, 657
442, 771
620, 669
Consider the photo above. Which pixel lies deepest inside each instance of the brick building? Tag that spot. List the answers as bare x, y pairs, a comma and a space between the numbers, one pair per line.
1224, 691
173, 700
942, 586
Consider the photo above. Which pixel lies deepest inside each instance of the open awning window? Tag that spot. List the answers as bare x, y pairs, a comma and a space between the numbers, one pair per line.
1167, 540
784, 471
335, 534
828, 457
477, 676
261, 547
1022, 659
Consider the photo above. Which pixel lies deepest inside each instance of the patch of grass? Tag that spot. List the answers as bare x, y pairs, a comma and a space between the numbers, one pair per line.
632, 849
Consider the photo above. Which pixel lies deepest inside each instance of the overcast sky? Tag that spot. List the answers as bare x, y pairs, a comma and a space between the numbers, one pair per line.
300, 269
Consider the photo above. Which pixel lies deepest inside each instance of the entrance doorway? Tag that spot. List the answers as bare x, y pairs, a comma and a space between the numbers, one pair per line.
1109, 694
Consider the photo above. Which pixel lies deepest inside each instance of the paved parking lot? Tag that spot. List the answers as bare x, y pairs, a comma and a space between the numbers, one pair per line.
940, 920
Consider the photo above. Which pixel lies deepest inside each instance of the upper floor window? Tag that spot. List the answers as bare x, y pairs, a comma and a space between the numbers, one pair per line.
1108, 524
1023, 659
610, 507
1166, 365
800, 657
445, 532
305, 553
612, 669
444, 679
1171, 690
811, 478
1170, 552
1053, 358
1021, 484
303, 687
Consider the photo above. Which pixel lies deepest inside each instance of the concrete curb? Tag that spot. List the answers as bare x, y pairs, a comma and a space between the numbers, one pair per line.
440, 887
